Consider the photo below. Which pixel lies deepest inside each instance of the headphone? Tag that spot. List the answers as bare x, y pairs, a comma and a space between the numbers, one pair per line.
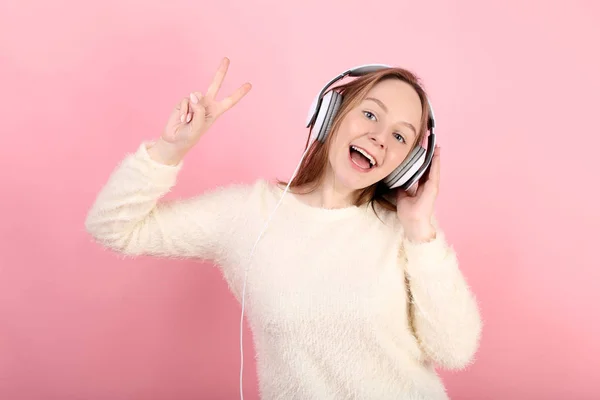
325, 107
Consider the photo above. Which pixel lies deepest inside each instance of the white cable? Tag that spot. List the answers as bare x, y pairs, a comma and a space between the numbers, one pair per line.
248, 267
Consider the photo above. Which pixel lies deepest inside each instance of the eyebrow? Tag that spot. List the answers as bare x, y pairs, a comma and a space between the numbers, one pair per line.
380, 103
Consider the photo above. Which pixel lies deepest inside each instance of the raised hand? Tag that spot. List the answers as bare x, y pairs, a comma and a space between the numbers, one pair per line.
416, 207
194, 115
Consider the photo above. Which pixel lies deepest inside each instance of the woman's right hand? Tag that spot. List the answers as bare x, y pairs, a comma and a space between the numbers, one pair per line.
192, 117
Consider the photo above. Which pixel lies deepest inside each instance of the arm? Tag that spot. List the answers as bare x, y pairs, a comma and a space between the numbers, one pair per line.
128, 217
445, 314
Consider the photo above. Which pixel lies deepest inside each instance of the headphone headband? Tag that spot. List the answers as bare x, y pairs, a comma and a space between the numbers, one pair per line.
359, 70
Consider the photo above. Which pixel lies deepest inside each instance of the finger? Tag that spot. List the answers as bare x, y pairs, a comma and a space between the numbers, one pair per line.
412, 191
198, 111
215, 85
235, 97
196, 102
433, 181
434, 174
184, 109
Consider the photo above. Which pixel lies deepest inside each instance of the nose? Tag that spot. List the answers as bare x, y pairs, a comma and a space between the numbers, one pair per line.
377, 139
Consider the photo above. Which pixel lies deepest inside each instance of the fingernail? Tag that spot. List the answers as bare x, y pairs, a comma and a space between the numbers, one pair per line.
194, 98
189, 118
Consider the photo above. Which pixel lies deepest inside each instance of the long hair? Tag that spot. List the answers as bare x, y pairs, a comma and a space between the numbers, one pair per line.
312, 169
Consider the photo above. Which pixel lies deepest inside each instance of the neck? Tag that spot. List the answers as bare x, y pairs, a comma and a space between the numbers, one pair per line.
331, 194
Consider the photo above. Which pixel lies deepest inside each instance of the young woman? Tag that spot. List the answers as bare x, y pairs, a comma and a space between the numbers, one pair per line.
352, 291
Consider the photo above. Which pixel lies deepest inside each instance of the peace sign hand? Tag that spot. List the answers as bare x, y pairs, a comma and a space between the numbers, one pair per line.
195, 114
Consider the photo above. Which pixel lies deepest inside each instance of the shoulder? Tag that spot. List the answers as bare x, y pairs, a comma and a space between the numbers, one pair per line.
244, 194
240, 190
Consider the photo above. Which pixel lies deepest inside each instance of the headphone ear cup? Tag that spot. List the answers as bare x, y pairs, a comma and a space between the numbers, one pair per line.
407, 169
330, 105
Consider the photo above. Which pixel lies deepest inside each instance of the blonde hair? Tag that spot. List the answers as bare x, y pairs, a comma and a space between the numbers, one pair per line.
312, 169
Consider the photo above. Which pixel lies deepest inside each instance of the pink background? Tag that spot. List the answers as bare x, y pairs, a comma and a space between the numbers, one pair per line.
515, 88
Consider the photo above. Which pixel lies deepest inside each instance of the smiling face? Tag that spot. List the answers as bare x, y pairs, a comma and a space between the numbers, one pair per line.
375, 137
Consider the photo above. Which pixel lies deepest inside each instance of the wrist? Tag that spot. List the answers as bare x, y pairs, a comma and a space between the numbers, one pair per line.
165, 153
419, 232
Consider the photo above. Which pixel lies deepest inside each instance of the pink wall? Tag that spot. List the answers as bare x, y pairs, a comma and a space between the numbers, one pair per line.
515, 86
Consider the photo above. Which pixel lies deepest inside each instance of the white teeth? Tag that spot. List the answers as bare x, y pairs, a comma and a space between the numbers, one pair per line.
364, 153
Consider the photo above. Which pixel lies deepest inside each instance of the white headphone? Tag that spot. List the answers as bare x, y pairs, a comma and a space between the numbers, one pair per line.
325, 107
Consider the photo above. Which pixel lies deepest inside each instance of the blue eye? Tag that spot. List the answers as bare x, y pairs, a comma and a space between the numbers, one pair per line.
369, 114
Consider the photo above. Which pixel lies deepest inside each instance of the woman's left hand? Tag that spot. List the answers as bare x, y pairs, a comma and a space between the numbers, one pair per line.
416, 206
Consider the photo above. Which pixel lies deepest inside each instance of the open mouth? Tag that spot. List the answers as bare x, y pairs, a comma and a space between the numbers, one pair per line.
362, 159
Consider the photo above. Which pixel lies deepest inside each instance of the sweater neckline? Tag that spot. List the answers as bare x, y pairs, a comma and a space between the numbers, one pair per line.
319, 212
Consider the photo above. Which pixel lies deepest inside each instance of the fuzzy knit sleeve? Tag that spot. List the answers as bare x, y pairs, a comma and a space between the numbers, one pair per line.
129, 217
445, 314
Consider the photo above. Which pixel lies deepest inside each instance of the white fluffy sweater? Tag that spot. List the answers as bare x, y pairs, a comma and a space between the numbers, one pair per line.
340, 305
